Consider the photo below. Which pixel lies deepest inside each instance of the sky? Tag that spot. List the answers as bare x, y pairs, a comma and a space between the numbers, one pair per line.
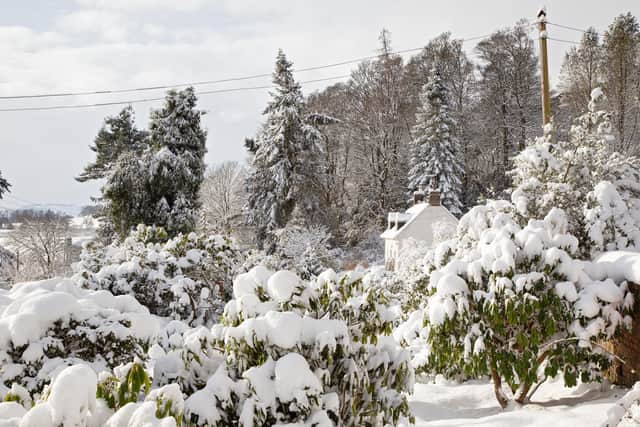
49, 46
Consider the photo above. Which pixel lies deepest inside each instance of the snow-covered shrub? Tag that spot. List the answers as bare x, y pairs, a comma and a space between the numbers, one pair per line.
184, 356
610, 224
217, 403
572, 175
187, 277
128, 383
350, 370
70, 401
516, 305
51, 324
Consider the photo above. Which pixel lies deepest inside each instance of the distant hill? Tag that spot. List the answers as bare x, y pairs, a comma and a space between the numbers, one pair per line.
72, 210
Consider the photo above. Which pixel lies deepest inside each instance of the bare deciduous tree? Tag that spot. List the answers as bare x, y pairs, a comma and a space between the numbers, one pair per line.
223, 197
40, 240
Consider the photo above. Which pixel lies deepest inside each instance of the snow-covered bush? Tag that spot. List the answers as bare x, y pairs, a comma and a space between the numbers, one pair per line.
48, 325
187, 277
69, 401
184, 356
598, 189
335, 329
513, 303
129, 382
610, 224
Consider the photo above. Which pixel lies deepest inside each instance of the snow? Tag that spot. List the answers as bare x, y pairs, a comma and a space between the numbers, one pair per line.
616, 265
145, 416
288, 329
73, 396
282, 284
473, 403
11, 410
293, 378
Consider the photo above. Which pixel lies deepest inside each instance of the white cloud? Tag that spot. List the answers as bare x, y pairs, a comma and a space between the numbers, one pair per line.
26, 40
108, 25
143, 5
105, 44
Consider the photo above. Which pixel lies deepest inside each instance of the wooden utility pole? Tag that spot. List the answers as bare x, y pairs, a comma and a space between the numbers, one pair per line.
544, 66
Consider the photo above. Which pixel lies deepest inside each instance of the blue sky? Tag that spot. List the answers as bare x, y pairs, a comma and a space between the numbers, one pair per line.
72, 45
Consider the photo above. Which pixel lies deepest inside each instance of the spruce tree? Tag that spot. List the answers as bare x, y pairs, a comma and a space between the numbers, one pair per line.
285, 158
160, 186
4, 186
435, 150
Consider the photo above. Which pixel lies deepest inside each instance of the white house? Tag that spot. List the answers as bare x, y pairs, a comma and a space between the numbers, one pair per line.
426, 221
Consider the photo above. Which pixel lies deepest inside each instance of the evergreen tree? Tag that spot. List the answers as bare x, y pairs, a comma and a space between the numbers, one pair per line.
4, 186
285, 163
117, 136
160, 186
435, 151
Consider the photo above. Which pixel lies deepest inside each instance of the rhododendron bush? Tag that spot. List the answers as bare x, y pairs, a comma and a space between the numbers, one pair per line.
287, 351
187, 277
511, 302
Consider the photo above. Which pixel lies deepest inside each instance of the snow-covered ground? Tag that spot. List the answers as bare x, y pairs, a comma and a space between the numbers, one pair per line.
474, 404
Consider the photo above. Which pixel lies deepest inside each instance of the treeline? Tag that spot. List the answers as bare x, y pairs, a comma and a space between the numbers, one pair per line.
10, 217
494, 100
339, 159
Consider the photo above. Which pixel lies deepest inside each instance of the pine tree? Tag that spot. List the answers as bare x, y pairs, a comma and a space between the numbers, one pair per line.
4, 186
160, 186
285, 160
435, 151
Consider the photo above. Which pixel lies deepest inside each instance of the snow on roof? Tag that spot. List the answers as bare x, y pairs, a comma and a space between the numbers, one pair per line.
408, 217
616, 265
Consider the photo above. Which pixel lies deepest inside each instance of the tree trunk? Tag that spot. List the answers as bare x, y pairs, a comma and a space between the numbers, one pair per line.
497, 388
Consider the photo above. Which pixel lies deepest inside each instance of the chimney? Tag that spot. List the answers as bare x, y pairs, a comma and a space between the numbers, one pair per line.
434, 198
434, 192
418, 196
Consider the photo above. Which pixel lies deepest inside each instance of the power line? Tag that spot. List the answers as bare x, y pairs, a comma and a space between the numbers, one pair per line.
141, 100
563, 41
566, 27
210, 82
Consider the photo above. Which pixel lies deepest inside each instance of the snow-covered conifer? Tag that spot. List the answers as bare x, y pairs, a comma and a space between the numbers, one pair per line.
4, 186
285, 161
435, 149
117, 136
160, 186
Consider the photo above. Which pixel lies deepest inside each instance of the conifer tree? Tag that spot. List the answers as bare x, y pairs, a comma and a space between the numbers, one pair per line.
160, 185
285, 163
117, 136
435, 150
4, 186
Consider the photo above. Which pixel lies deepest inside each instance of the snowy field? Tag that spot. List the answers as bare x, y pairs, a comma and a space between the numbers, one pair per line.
474, 404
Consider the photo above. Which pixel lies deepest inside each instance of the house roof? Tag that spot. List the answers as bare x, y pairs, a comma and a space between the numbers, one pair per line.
415, 211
